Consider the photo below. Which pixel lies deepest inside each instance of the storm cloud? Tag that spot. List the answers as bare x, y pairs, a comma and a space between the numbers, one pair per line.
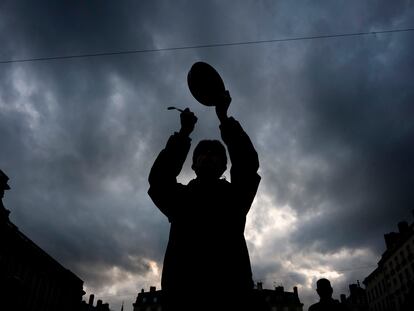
330, 119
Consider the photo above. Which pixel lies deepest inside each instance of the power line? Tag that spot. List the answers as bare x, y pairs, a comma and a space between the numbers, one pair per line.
202, 46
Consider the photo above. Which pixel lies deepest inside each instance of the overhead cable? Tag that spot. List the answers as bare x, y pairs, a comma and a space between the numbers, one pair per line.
201, 46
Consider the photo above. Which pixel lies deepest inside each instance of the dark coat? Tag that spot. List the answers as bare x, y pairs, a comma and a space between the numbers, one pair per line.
328, 305
206, 243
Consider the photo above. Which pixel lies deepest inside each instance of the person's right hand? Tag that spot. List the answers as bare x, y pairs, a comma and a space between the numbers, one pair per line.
188, 121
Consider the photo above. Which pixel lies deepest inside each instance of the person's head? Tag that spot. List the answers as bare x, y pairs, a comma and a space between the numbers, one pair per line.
209, 159
3, 183
324, 288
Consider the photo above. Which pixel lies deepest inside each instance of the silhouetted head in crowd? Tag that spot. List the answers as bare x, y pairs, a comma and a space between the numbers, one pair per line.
324, 289
3, 183
209, 160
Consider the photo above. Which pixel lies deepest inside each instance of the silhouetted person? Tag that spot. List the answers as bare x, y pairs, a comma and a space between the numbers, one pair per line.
326, 302
4, 213
206, 261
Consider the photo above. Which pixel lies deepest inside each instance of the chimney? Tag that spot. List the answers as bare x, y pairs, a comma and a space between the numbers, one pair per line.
343, 298
403, 227
295, 291
91, 298
259, 285
152, 289
391, 239
353, 289
99, 304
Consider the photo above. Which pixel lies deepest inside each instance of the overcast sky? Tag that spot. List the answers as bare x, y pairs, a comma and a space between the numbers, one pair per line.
331, 119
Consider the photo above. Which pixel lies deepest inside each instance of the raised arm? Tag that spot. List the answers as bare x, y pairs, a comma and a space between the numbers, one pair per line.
243, 156
164, 189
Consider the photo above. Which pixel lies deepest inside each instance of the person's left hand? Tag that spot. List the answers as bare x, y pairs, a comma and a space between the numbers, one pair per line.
223, 105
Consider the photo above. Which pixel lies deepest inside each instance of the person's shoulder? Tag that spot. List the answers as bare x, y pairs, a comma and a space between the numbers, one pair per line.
314, 307
335, 302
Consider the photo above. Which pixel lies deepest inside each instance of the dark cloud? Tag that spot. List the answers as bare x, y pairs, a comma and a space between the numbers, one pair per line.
330, 120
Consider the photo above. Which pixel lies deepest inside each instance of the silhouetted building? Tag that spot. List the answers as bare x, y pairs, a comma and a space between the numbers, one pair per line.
30, 279
151, 301
277, 299
100, 306
357, 299
265, 300
388, 286
4, 213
